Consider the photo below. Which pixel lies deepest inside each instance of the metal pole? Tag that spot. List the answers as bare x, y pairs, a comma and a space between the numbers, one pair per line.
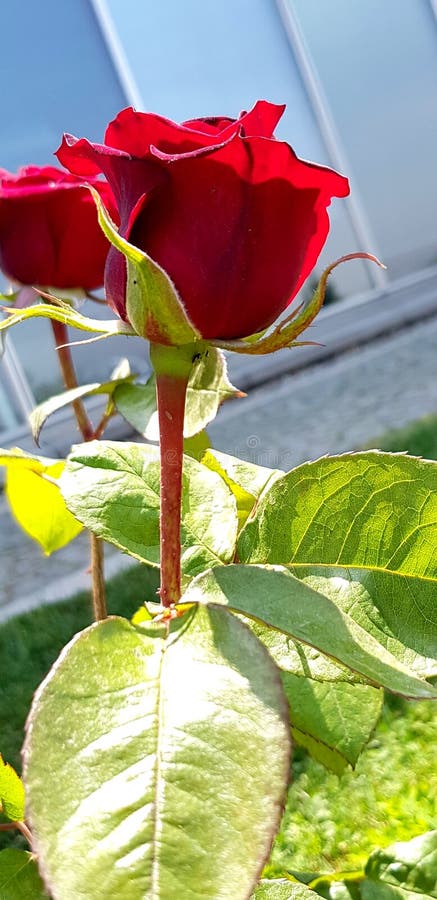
117, 54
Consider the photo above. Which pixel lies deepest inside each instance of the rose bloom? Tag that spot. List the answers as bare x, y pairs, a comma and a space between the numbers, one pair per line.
234, 217
49, 231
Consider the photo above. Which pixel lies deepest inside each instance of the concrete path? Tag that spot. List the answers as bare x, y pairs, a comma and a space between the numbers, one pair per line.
328, 408
335, 406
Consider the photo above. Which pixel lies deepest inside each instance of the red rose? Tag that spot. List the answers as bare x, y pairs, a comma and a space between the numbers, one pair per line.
233, 216
49, 232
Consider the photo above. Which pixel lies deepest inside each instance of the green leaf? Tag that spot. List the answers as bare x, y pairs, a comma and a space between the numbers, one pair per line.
153, 305
63, 312
197, 445
40, 414
272, 596
282, 889
19, 877
374, 599
208, 387
246, 480
161, 759
410, 866
363, 529
11, 793
332, 721
113, 489
332, 712
371, 890
36, 501
137, 404
332, 889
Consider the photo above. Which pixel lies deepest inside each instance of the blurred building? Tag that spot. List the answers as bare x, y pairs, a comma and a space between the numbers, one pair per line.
359, 79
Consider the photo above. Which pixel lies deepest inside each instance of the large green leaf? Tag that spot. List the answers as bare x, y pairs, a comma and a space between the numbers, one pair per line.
410, 865
11, 793
19, 877
332, 711
363, 529
273, 596
113, 489
156, 764
282, 889
36, 501
208, 387
246, 480
399, 611
332, 721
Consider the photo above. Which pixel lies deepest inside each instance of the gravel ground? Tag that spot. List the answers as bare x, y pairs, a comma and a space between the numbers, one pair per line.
329, 408
335, 406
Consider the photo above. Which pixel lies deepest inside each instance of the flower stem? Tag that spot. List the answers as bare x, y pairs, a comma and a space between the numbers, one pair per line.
87, 431
97, 578
18, 826
172, 366
69, 378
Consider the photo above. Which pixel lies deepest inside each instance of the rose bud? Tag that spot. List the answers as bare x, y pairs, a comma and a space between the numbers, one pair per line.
232, 215
49, 232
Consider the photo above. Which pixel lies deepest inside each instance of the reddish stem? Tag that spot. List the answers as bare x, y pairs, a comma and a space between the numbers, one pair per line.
66, 364
18, 826
60, 334
171, 391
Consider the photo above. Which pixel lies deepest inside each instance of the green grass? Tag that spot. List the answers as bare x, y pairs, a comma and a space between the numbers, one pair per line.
330, 823
418, 439
30, 643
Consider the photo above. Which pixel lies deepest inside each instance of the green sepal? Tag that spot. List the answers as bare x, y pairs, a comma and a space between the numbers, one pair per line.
283, 336
208, 387
63, 312
153, 305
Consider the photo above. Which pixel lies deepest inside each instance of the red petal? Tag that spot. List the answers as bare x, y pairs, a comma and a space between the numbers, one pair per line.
84, 158
213, 125
238, 229
134, 132
262, 120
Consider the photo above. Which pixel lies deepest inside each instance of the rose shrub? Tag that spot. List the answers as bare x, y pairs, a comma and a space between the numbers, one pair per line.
49, 232
232, 215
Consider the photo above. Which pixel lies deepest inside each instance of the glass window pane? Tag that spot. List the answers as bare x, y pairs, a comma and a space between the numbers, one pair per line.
214, 58
63, 80
377, 63
59, 77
